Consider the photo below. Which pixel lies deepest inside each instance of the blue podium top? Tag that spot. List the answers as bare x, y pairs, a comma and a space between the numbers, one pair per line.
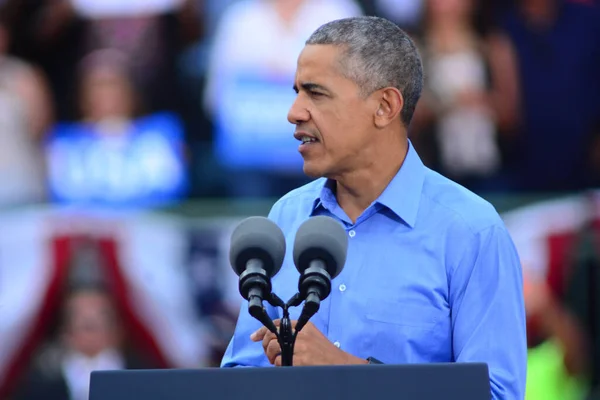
464, 381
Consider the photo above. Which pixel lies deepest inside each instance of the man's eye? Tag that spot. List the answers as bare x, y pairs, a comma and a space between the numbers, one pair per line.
316, 94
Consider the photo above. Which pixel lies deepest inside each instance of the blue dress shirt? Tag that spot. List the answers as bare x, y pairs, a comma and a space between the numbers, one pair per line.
432, 275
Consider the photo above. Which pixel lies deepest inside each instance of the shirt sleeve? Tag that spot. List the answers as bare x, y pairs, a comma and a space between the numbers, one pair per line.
488, 311
241, 351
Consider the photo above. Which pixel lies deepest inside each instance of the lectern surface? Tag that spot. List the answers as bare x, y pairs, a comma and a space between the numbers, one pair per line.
411, 381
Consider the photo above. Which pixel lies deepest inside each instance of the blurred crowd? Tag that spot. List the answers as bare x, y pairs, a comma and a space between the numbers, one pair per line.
149, 103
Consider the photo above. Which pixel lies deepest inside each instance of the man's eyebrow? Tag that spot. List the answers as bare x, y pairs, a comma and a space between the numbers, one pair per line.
310, 86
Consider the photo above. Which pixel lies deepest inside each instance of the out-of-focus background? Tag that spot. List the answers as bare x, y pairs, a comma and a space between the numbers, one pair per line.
135, 134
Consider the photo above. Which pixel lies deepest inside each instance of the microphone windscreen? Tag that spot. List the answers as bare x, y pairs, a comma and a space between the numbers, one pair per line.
321, 238
257, 238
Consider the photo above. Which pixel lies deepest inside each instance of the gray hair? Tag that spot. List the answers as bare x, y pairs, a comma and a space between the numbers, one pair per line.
377, 54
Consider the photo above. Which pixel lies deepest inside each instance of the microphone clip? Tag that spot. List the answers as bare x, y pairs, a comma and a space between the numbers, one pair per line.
286, 334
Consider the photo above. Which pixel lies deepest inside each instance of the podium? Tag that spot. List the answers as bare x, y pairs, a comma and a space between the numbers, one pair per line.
464, 381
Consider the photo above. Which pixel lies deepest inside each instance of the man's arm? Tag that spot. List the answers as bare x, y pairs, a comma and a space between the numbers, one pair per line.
488, 311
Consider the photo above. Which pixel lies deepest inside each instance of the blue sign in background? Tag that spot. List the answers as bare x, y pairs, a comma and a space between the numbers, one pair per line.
251, 126
143, 166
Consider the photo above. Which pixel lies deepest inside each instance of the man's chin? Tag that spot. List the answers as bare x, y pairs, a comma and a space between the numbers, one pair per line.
312, 171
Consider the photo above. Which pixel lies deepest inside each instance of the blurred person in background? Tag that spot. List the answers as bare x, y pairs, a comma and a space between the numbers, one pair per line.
594, 155
558, 363
557, 44
192, 74
582, 260
107, 93
25, 115
407, 14
90, 339
115, 155
249, 90
56, 34
152, 33
471, 94
558, 243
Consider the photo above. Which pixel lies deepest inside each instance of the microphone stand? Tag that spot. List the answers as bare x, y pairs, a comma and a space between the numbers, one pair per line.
286, 336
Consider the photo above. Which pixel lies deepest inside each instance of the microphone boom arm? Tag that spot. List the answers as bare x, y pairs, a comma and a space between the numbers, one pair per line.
258, 312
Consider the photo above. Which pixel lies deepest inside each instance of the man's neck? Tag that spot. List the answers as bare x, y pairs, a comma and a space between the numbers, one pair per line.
358, 189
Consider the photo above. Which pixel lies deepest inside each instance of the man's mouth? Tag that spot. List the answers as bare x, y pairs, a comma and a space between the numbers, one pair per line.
308, 139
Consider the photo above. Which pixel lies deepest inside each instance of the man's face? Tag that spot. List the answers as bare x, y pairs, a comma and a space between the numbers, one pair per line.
330, 110
91, 326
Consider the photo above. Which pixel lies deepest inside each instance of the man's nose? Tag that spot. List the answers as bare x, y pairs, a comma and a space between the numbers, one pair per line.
298, 112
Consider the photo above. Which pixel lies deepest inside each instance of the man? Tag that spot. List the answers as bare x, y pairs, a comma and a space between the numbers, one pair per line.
431, 274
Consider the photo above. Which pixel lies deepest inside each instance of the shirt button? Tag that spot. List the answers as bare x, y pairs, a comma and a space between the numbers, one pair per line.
337, 344
342, 287
352, 233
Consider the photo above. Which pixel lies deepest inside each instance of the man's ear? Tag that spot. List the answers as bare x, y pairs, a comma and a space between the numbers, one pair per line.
389, 107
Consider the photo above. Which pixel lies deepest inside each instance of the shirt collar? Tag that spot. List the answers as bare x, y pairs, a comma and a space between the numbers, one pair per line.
402, 195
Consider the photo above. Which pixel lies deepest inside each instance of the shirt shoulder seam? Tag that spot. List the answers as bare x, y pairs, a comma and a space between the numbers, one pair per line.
474, 232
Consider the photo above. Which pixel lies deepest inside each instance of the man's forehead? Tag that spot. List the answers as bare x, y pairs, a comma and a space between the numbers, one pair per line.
319, 54
86, 298
316, 61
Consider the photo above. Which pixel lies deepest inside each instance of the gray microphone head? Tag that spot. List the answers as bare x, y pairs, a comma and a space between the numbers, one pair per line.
321, 238
257, 238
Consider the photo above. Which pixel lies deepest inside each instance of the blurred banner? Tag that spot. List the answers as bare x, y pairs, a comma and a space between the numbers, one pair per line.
169, 277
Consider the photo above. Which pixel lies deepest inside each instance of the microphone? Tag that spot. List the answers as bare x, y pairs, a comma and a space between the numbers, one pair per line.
256, 254
320, 249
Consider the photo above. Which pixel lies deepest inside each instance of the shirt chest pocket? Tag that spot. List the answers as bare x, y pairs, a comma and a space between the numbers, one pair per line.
402, 312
